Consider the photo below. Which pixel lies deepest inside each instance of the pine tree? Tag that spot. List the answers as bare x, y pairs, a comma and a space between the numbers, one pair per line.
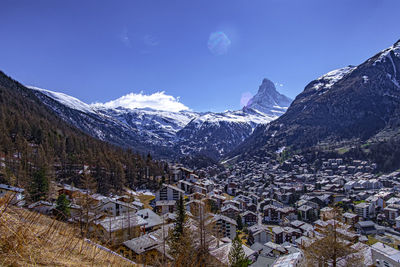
40, 185
237, 257
62, 207
180, 220
239, 222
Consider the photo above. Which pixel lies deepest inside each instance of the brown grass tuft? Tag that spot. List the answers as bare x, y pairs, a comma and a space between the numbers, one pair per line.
31, 239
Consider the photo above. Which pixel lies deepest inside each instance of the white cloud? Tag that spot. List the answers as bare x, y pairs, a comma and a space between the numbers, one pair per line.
158, 101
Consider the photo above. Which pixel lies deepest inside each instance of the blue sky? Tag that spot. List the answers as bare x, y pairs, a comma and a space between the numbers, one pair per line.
99, 51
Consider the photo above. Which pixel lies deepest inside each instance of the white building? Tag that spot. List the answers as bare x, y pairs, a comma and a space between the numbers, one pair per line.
384, 255
169, 192
364, 210
223, 226
117, 208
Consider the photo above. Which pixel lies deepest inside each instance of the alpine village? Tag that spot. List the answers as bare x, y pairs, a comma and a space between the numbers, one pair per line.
281, 182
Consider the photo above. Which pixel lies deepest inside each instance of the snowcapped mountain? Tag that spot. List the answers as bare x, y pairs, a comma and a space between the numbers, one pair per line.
216, 134
268, 100
161, 125
168, 133
352, 105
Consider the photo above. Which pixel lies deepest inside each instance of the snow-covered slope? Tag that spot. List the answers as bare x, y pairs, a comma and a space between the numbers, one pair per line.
168, 133
326, 81
66, 100
163, 125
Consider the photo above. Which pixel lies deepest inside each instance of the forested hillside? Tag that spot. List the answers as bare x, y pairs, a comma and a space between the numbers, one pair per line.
34, 140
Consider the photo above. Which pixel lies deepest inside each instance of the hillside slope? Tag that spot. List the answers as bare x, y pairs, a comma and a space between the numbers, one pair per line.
32, 239
32, 137
355, 104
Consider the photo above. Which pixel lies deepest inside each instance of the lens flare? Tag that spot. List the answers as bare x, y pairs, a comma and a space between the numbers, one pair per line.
218, 43
245, 99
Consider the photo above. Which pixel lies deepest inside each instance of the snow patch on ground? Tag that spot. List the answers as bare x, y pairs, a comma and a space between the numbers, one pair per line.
386, 53
328, 80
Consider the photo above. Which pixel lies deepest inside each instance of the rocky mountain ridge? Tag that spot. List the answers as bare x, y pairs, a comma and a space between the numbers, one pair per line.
165, 133
355, 104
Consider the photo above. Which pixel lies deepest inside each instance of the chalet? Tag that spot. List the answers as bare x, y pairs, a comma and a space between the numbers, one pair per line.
146, 248
291, 234
165, 206
350, 218
218, 199
230, 211
113, 207
260, 233
366, 228
181, 173
277, 249
275, 214
153, 221
71, 192
307, 213
327, 213
391, 212
249, 218
221, 254
277, 235
118, 229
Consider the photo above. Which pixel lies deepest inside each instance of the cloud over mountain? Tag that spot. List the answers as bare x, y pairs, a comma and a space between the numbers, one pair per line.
158, 100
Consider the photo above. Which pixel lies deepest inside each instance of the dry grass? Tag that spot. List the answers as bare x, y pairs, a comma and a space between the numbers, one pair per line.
146, 199
243, 237
31, 239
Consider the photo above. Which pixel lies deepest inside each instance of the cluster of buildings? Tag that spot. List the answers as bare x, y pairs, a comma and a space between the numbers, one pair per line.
282, 206
293, 200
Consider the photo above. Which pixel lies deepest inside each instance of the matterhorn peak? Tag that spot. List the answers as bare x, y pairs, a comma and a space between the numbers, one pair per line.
266, 86
268, 100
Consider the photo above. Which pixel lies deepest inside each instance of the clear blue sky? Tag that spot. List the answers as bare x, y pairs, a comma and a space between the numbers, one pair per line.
101, 50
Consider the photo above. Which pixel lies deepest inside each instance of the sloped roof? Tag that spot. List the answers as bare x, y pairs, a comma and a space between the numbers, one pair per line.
148, 241
222, 252
112, 224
